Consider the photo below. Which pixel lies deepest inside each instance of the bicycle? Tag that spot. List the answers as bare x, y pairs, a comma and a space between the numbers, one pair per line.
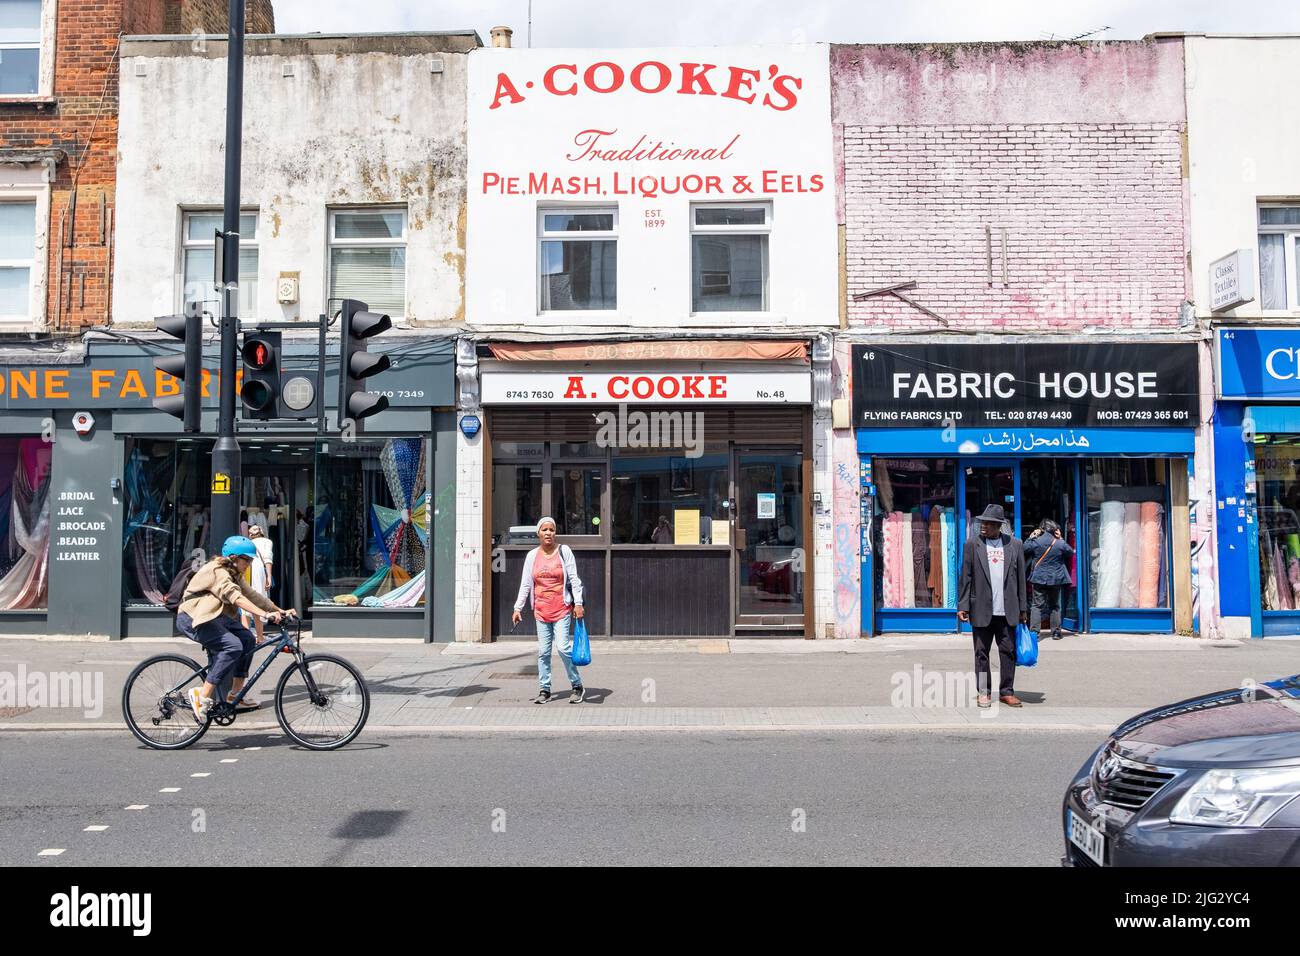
312, 691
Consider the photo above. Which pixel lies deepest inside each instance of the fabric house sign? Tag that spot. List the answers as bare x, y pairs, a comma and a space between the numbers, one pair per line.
1067, 386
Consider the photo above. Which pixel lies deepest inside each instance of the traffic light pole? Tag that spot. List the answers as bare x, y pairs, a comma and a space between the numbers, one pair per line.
226, 462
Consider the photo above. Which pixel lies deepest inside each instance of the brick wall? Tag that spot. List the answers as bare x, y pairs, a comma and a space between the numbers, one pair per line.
82, 123
1072, 152
210, 16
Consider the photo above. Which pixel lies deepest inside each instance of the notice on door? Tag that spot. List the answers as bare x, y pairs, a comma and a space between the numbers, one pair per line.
686, 526
766, 504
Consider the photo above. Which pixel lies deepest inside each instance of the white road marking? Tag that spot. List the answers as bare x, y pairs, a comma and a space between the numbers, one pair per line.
170, 790
95, 828
138, 806
50, 853
231, 760
200, 775
250, 749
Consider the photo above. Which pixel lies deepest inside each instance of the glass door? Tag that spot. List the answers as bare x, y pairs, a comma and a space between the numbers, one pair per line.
992, 483
769, 538
1048, 491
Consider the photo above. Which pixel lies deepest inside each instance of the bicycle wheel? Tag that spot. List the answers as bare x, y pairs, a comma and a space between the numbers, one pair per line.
337, 712
156, 704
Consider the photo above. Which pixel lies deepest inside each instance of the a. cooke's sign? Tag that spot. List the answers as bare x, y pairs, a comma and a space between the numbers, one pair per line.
1084, 385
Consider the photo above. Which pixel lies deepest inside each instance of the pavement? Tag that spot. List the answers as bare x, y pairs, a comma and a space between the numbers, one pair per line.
912, 682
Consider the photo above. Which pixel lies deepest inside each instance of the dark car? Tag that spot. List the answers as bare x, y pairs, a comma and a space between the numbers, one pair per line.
1210, 781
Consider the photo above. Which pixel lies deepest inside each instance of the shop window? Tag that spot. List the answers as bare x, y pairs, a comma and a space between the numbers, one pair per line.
578, 259
1128, 520
370, 523
576, 493
368, 258
20, 47
1277, 488
516, 503
168, 493
17, 260
663, 496
198, 244
729, 259
25, 518
916, 532
1279, 261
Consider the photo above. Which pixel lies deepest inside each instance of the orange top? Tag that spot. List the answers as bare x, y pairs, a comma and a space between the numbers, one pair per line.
548, 588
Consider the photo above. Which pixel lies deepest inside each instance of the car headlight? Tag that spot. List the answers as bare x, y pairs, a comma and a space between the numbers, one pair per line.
1237, 798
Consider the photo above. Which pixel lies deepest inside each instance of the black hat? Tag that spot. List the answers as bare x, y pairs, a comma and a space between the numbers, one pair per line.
993, 513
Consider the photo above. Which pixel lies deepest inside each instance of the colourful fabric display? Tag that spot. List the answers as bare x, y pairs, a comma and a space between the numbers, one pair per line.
920, 561
1132, 555
949, 560
908, 596
934, 580
1153, 554
1286, 599
409, 594
27, 544
1268, 573
892, 587
1109, 559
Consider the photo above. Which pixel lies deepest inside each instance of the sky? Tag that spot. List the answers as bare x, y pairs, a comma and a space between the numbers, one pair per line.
606, 23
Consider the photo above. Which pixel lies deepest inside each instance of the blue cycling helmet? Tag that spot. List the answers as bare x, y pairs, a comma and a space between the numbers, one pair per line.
237, 546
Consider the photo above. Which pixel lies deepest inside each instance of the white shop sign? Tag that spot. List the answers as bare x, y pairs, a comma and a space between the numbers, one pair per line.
1232, 280
647, 387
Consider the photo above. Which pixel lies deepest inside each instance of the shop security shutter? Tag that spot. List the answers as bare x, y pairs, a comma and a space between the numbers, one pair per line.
743, 425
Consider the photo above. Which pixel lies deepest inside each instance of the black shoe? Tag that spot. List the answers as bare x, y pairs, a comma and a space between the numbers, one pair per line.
576, 696
542, 696
1057, 635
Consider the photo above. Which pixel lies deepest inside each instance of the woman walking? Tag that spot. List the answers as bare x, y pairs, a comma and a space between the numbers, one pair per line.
550, 579
1046, 552
260, 577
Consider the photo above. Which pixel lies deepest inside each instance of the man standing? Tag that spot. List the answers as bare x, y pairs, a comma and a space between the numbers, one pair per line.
991, 596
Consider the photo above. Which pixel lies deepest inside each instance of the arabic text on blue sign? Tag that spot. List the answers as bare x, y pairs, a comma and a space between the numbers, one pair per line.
1026, 441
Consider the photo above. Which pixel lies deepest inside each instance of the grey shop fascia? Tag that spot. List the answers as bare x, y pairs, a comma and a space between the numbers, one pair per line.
85, 422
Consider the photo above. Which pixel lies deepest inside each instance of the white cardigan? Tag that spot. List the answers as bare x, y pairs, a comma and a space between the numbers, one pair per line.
572, 583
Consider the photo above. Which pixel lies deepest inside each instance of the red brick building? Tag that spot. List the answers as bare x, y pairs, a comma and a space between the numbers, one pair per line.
58, 146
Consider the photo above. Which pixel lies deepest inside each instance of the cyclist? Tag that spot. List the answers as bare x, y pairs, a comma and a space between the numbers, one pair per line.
209, 614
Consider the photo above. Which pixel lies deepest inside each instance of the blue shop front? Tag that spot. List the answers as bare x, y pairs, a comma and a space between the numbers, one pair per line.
1257, 479
1098, 437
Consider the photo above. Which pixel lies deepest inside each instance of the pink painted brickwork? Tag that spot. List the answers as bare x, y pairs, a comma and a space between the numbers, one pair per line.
1071, 152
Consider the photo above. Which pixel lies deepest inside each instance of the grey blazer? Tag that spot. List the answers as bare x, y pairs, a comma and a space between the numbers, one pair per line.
975, 584
572, 583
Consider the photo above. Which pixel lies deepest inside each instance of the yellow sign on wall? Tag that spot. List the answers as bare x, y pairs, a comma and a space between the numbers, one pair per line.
220, 483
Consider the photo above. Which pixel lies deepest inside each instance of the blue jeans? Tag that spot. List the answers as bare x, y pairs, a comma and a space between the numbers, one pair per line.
230, 644
557, 634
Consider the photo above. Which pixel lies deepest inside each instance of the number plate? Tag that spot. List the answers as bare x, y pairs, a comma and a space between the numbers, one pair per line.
1088, 839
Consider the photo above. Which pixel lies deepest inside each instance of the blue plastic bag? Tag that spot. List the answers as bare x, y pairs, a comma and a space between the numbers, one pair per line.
1026, 646
581, 644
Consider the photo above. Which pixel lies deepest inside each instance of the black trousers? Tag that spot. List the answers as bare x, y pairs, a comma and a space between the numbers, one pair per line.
1003, 632
1046, 603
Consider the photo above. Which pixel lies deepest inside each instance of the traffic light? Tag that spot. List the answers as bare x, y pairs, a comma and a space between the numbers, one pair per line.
260, 390
186, 366
356, 364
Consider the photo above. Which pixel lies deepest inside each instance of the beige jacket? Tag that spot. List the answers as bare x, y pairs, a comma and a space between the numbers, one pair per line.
213, 590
